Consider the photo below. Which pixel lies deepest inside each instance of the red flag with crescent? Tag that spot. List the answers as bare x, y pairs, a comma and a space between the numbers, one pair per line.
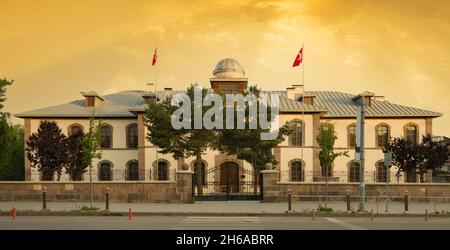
154, 58
298, 59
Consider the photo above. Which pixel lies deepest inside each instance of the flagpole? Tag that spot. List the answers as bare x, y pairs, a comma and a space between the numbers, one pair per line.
156, 98
303, 102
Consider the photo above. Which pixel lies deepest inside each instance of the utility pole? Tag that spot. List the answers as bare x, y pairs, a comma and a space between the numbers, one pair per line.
360, 100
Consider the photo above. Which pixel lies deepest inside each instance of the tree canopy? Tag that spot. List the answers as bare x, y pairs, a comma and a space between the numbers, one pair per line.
326, 140
47, 150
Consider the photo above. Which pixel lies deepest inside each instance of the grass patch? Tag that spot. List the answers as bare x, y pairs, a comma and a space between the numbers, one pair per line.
86, 208
323, 209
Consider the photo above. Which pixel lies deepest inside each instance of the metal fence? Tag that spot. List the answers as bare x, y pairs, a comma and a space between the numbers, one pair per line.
346, 177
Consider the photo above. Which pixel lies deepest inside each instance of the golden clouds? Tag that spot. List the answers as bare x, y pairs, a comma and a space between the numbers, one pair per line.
388, 47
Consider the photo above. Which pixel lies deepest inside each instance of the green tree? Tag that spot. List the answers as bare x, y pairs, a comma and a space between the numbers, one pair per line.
4, 122
435, 155
179, 142
413, 159
76, 166
406, 156
12, 163
47, 150
326, 140
246, 144
89, 145
3, 84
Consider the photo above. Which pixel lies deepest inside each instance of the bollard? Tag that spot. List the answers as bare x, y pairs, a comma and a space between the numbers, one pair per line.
314, 215
130, 214
290, 199
107, 199
44, 198
406, 201
348, 201
371, 215
426, 214
13, 213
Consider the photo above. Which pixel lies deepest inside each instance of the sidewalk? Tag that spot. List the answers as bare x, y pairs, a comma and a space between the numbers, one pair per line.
229, 207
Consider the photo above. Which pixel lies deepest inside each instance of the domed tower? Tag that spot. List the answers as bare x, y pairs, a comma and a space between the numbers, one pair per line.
228, 77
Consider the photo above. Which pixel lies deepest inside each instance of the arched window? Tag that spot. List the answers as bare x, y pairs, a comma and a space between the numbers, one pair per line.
411, 134
132, 171
105, 171
106, 136
162, 171
132, 136
382, 172
75, 129
296, 138
297, 171
382, 135
353, 171
203, 172
351, 136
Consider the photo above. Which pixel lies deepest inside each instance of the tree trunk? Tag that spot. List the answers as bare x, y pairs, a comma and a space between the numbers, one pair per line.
411, 175
90, 186
326, 186
199, 173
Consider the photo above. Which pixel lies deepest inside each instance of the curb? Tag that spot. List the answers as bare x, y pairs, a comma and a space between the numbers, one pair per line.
292, 214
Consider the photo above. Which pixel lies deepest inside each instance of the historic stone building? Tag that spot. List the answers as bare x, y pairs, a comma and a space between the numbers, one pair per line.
127, 155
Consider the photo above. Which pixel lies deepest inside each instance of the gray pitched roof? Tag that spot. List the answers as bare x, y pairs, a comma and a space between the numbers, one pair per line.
332, 103
340, 104
114, 105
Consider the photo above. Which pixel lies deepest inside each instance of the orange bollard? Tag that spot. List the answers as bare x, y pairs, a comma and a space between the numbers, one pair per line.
13, 213
426, 214
314, 215
371, 215
130, 214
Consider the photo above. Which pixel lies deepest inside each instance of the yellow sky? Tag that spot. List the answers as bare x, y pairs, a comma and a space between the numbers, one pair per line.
56, 49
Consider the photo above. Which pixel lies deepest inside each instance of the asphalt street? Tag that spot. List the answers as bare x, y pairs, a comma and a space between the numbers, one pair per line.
226, 223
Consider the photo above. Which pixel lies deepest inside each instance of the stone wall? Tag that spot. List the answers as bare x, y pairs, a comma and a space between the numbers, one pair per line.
127, 191
275, 191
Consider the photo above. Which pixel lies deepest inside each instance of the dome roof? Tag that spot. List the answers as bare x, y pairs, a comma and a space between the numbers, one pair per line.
228, 68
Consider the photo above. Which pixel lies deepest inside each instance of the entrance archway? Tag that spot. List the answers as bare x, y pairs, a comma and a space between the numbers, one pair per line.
229, 177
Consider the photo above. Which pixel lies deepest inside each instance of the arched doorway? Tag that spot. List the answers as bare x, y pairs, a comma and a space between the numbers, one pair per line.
229, 177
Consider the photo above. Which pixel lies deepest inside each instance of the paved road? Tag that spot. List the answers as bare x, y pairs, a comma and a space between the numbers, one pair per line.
228, 206
231, 223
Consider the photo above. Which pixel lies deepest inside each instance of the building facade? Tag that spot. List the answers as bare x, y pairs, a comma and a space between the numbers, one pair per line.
128, 155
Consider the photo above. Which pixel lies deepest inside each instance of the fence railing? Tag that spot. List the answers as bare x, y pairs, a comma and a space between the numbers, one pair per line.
346, 177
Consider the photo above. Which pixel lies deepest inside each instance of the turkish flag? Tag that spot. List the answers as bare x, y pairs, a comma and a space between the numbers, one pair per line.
154, 58
299, 58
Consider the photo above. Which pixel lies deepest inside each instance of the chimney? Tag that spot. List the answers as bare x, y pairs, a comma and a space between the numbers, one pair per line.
148, 96
92, 99
295, 92
368, 97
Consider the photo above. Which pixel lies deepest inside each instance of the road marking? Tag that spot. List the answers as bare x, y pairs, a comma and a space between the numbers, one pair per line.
344, 224
210, 222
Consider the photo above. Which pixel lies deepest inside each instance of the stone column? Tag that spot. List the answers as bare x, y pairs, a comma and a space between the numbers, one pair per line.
184, 185
141, 147
428, 126
317, 170
271, 189
27, 134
